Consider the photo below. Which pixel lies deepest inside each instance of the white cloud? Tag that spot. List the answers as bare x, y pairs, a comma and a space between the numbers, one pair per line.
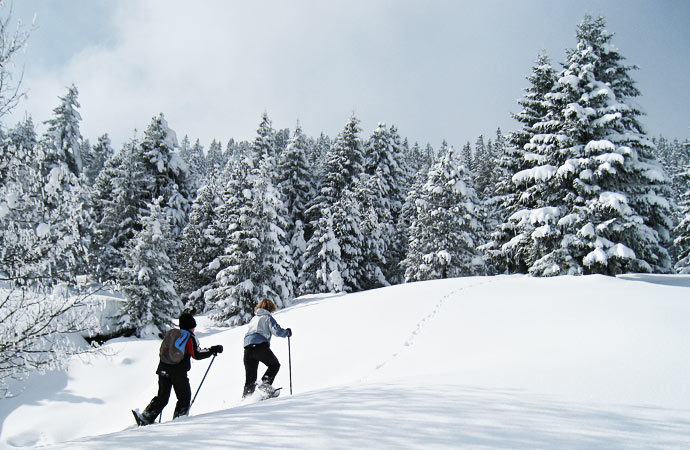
439, 70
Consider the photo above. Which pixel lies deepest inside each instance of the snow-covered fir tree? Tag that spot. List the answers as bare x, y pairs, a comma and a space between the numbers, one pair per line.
116, 201
63, 131
295, 182
141, 172
381, 195
343, 163
342, 167
416, 159
408, 213
255, 260
596, 201
505, 253
98, 155
264, 144
317, 155
280, 140
467, 155
42, 212
199, 247
146, 280
232, 290
347, 228
215, 161
682, 231
447, 230
166, 173
323, 266
674, 155
374, 236
193, 156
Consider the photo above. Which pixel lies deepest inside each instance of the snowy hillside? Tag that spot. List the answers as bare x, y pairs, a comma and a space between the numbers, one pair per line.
506, 361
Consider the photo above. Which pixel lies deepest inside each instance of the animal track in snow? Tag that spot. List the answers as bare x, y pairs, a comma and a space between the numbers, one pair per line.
409, 342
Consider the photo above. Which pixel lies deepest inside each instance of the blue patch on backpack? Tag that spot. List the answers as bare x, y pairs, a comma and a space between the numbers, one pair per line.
181, 342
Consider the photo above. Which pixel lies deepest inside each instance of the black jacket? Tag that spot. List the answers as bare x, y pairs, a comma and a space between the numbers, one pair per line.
191, 350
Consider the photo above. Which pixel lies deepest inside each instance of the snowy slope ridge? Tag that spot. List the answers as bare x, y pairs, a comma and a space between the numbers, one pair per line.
506, 361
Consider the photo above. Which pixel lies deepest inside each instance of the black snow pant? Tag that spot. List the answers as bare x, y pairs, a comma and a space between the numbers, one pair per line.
183, 391
253, 355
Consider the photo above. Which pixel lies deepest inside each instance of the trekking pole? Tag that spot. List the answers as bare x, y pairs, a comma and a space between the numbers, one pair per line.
202, 382
290, 364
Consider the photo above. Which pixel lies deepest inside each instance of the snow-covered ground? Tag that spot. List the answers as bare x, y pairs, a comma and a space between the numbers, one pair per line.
508, 361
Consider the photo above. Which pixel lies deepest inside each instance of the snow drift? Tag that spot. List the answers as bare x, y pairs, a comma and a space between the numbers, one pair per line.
507, 361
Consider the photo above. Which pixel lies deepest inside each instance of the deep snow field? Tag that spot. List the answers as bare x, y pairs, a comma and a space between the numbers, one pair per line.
506, 361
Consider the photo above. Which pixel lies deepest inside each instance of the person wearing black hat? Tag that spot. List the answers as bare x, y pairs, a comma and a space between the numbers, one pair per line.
177, 349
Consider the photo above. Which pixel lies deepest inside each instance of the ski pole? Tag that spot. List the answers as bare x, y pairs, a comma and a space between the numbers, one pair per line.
202, 382
290, 364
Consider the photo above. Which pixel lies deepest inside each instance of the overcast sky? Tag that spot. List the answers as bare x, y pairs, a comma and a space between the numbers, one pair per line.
436, 69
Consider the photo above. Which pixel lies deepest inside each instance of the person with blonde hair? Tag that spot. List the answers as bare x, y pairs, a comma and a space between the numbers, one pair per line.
257, 348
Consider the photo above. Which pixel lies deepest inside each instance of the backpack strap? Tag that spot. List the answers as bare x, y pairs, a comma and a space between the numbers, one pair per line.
181, 342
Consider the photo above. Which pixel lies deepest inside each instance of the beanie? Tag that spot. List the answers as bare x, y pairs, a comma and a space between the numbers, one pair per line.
187, 321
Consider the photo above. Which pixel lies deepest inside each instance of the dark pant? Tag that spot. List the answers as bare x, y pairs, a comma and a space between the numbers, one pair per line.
253, 355
166, 381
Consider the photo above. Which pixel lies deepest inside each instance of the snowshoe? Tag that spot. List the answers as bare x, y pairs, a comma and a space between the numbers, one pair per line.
267, 391
139, 418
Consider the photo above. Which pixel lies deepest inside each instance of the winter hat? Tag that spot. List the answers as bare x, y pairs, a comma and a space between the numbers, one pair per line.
187, 321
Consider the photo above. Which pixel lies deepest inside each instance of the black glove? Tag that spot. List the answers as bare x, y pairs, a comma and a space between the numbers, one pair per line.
289, 332
216, 349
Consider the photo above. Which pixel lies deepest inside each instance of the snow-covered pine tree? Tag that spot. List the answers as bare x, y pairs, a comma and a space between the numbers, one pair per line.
280, 140
485, 162
294, 179
408, 213
98, 155
616, 217
21, 138
42, 213
317, 155
264, 144
295, 182
63, 131
199, 247
146, 280
166, 173
400, 179
198, 166
138, 174
682, 231
323, 267
117, 201
674, 156
478, 154
345, 160
448, 228
430, 155
381, 197
232, 150
343, 163
508, 245
415, 159
232, 291
278, 269
215, 161
347, 228
365, 230
255, 260
467, 155
20, 196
